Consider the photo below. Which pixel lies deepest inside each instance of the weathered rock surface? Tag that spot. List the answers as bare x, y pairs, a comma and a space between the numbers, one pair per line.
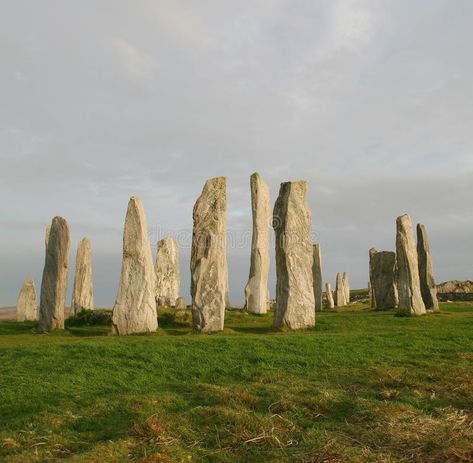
428, 289
46, 236
209, 272
382, 279
317, 276
83, 291
339, 291
292, 222
54, 281
181, 303
256, 290
168, 280
455, 287
407, 269
346, 287
26, 304
329, 295
135, 307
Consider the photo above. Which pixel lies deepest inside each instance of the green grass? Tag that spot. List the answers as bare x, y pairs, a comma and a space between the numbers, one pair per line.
363, 386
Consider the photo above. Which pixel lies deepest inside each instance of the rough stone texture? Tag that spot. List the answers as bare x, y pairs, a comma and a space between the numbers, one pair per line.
46, 236
329, 294
181, 303
407, 269
26, 304
162, 301
135, 307
168, 280
54, 281
292, 222
455, 287
428, 289
339, 291
317, 276
83, 291
346, 287
209, 273
382, 279
256, 290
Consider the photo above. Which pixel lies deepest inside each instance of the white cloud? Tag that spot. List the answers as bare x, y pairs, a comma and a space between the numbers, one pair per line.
137, 63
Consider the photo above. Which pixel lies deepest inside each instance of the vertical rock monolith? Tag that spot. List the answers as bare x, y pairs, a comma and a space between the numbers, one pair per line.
256, 290
382, 279
339, 291
292, 222
181, 303
209, 272
83, 290
346, 287
168, 280
26, 304
428, 287
407, 269
329, 295
135, 307
317, 276
54, 281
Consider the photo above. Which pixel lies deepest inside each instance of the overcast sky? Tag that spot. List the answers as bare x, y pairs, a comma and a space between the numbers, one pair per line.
370, 101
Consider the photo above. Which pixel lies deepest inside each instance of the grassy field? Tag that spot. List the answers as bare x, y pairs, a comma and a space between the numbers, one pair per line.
362, 386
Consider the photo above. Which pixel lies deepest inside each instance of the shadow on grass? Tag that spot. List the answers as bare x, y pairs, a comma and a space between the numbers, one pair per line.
10, 327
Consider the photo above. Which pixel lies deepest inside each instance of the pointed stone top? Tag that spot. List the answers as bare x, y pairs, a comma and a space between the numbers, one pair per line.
216, 182
404, 218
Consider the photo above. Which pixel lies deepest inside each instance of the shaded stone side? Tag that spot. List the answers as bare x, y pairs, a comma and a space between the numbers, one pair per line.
54, 280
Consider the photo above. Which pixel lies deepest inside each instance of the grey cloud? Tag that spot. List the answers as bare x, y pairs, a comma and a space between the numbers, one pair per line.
367, 100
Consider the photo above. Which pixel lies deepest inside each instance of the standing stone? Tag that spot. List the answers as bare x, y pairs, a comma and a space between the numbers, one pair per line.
181, 303
228, 304
317, 276
168, 279
407, 269
54, 281
329, 294
346, 287
428, 288
370, 295
209, 272
256, 290
292, 222
339, 291
83, 291
382, 279
26, 305
135, 307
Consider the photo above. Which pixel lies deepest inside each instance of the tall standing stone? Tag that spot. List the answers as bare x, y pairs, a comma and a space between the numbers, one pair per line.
135, 307
292, 222
382, 279
26, 304
168, 280
407, 269
339, 291
54, 281
346, 287
317, 276
329, 295
83, 290
428, 288
209, 272
256, 290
